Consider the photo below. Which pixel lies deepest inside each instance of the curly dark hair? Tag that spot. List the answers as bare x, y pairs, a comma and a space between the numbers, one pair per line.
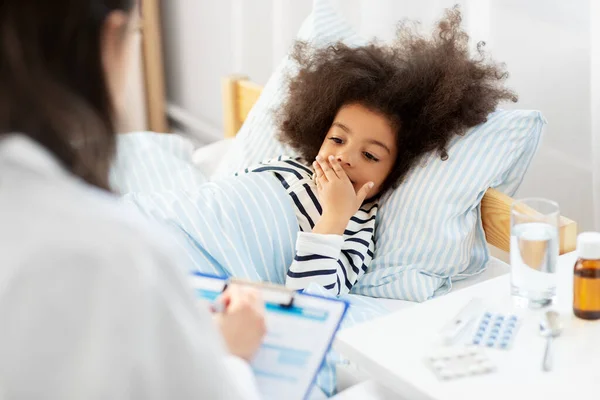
430, 89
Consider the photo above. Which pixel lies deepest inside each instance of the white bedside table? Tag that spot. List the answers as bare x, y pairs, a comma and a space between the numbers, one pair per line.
392, 349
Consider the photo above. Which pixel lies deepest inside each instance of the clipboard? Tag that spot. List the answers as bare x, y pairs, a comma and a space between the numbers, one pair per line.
300, 331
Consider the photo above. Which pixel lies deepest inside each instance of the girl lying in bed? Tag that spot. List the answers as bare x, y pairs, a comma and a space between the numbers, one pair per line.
361, 118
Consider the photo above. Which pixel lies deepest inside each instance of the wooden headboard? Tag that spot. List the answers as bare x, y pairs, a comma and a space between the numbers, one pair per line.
240, 94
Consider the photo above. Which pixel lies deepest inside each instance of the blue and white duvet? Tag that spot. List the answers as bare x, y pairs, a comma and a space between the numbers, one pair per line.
241, 226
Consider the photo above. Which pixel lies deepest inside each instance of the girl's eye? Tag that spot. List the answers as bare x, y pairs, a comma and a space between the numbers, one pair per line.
336, 140
371, 157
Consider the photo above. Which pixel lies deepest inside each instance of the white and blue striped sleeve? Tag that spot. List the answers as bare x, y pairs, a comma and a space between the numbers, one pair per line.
316, 261
320, 259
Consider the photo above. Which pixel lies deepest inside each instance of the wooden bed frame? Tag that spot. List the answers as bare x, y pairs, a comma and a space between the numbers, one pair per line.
153, 68
240, 94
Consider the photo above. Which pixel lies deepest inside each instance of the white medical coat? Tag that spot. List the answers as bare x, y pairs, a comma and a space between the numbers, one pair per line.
93, 304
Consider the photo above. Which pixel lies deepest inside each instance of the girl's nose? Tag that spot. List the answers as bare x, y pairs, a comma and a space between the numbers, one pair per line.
345, 159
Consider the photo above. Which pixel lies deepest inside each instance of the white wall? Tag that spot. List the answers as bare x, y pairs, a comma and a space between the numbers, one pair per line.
197, 38
545, 43
595, 104
547, 50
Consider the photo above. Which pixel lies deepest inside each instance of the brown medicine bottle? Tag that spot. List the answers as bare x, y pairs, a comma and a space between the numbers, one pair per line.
586, 279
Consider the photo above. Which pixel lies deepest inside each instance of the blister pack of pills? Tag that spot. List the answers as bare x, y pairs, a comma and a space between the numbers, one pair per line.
495, 330
459, 362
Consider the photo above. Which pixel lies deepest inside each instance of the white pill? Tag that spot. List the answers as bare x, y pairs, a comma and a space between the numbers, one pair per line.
432, 358
474, 369
446, 374
439, 365
487, 366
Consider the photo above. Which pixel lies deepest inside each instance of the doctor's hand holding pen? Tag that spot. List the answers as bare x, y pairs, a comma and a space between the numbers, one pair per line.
240, 316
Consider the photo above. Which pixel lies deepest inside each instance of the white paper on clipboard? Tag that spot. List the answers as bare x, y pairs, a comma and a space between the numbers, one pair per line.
300, 330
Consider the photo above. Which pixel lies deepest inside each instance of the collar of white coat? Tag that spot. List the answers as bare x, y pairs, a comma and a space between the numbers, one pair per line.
21, 150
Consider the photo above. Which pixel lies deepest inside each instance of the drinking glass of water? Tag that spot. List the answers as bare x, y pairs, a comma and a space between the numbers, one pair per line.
534, 251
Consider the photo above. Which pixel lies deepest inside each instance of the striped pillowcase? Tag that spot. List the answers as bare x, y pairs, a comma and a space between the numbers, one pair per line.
429, 230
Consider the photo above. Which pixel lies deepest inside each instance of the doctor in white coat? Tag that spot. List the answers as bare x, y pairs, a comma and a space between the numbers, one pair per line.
93, 303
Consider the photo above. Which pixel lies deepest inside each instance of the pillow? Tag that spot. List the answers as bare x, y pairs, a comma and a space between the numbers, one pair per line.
208, 158
429, 231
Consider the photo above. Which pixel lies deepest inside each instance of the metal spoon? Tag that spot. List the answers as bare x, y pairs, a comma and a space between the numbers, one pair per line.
550, 327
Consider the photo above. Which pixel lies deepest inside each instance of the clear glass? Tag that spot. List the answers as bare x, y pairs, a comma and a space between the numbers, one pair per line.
534, 251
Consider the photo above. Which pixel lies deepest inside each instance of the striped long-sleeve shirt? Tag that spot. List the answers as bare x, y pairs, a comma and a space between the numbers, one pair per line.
335, 262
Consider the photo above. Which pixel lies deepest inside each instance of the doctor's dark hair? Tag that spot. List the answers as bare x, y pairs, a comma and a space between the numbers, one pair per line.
52, 82
429, 88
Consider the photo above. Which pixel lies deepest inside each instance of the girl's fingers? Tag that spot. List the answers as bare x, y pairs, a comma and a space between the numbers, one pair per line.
318, 170
327, 170
337, 168
364, 192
